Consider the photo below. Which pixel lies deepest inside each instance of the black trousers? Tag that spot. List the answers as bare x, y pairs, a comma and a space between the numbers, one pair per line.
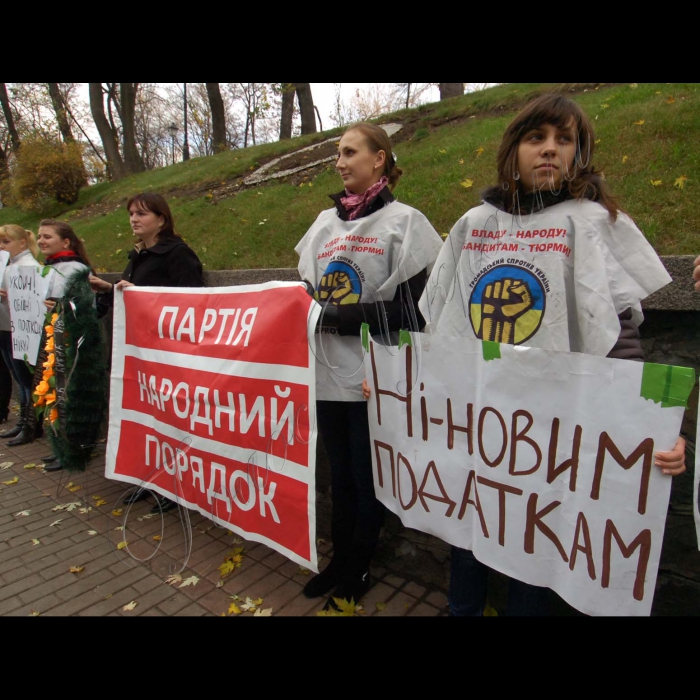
357, 514
5, 389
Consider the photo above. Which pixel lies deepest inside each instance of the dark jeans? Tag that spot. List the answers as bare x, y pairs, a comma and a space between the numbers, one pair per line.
17, 368
357, 514
467, 594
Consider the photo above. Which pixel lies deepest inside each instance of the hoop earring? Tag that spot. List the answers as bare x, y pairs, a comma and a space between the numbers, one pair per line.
516, 175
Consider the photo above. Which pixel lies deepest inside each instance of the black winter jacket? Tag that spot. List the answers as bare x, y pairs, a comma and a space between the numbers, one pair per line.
169, 263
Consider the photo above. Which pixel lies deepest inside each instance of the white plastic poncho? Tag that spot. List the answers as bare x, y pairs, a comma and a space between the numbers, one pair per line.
360, 261
555, 279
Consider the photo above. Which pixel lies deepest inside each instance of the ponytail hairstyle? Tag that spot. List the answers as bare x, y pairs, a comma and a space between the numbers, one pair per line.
155, 203
378, 140
584, 181
17, 233
64, 230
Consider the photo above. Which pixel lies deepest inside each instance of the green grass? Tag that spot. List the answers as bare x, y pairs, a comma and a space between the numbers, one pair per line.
259, 227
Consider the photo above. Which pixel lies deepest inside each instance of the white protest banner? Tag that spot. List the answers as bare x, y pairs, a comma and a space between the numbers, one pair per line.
213, 404
26, 292
541, 463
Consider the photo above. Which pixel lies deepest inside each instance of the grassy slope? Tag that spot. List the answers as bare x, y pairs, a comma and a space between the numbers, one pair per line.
259, 227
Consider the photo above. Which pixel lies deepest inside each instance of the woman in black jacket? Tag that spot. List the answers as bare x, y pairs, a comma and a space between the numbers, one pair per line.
160, 258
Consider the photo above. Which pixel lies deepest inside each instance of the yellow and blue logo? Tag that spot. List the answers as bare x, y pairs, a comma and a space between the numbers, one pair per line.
340, 284
507, 305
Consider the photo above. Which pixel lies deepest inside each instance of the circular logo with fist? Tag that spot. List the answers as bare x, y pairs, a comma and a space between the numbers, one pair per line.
339, 285
507, 305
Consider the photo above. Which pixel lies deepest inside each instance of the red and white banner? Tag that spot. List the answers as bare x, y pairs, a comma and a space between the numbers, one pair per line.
213, 405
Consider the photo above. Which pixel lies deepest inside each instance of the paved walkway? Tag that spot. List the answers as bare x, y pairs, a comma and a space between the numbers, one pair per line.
42, 538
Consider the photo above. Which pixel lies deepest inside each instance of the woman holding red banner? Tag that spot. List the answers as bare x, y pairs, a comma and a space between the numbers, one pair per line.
365, 260
160, 258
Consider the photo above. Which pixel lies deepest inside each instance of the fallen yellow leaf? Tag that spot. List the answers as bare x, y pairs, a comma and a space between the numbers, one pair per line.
31, 465
639, 123
35, 542
442, 150
157, 538
625, 159
467, 183
101, 502
11, 481
479, 151
130, 606
34, 613
380, 606
226, 568
123, 544
76, 569
75, 488
680, 182
233, 609
656, 183
267, 612
670, 100
117, 511
257, 601
191, 581
303, 572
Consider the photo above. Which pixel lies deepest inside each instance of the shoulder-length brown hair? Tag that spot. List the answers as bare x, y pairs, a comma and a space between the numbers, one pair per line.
65, 230
150, 201
584, 181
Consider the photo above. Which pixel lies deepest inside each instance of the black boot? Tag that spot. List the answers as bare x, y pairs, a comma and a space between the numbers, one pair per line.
20, 424
327, 580
352, 587
29, 429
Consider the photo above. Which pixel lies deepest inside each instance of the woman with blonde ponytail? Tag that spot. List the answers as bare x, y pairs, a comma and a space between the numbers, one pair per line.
22, 247
365, 260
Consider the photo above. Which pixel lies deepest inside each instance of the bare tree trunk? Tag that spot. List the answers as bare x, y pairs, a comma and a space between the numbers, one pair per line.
59, 107
3, 163
218, 117
306, 108
408, 94
115, 164
9, 119
448, 90
247, 126
288, 92
132, 158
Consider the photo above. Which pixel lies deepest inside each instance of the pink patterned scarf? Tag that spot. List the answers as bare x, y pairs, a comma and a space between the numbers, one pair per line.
355, 203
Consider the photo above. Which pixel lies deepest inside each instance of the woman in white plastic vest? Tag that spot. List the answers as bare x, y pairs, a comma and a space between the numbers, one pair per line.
365, 260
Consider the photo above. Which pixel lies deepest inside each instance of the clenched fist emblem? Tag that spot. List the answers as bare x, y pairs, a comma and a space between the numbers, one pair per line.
336, 289
503, 303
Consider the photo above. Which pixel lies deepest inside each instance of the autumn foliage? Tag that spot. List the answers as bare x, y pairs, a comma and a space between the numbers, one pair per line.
46, 172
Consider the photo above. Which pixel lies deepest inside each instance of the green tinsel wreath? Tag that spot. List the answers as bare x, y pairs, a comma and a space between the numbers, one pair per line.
82, 384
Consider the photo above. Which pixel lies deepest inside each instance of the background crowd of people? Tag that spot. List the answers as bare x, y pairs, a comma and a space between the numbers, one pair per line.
545, 174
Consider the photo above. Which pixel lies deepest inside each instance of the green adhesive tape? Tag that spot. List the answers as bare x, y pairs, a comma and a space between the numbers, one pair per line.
667, 385
492, 351
364, 332
405, 339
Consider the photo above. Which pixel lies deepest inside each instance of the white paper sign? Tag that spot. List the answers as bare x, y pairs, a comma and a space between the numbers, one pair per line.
26, 293
541, 463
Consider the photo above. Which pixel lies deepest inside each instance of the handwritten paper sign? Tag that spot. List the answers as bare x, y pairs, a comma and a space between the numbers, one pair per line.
26, 292
541, 463
212, 402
